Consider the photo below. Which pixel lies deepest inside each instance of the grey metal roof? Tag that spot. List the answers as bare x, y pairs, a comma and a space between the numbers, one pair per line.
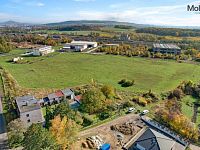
67, 92
52, 96
83, 42
166, 46
153, 140
27, 103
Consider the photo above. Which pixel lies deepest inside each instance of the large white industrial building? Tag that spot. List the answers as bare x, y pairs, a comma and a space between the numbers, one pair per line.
79, 45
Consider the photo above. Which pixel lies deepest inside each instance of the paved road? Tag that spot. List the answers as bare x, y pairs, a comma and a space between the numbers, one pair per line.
3, 134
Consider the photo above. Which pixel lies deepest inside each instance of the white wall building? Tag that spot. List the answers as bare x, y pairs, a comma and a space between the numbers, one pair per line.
42, 50
29, 110
80, 45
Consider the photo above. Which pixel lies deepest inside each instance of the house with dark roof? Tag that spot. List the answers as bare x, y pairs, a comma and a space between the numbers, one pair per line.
29, 110
150, 139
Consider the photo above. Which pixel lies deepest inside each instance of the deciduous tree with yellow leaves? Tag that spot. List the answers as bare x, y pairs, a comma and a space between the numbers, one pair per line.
64, 130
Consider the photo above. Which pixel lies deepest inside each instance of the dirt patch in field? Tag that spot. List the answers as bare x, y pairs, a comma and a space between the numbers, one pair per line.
115, 138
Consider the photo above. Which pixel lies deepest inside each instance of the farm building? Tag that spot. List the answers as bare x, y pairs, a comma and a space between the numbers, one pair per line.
44, 50
166, 49
29, 110
79, 46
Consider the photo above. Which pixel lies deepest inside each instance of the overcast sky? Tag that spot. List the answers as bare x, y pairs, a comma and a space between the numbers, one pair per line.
158, 12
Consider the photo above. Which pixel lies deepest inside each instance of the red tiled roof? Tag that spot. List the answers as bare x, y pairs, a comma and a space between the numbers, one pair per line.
78, 97
59, 94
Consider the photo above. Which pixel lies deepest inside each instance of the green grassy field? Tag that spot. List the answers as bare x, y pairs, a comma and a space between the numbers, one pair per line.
117, 29
66, 32
72, 69
188, 110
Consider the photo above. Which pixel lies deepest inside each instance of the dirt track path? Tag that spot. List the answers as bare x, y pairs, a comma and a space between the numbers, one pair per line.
119, 120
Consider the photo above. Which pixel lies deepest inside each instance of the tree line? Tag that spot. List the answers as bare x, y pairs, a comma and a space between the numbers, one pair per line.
5, 46
170, 32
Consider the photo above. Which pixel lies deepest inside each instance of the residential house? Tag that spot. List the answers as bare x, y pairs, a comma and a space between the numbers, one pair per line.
43, 50
166, 49
151, 139
56, 97
68, 94
29, 110
78, 98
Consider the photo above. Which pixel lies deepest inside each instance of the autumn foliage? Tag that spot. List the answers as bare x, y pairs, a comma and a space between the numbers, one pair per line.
171, 116
64, 130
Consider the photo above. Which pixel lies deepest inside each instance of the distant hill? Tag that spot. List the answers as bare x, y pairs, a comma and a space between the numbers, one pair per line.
113, 23
13, 24
95, 22
91, 22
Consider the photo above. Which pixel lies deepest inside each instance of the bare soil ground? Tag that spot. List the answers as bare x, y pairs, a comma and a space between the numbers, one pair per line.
108, 135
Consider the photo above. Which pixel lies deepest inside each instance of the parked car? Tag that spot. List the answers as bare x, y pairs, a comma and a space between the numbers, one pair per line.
131, 109
145, 112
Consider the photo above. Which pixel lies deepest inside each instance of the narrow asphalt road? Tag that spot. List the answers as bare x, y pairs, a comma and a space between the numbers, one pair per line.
3, 134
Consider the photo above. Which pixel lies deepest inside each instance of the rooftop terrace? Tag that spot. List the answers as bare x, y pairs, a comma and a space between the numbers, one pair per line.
27, 103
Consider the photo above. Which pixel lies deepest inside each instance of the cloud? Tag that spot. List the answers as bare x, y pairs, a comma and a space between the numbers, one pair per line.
39, 4
158, 15
161, 15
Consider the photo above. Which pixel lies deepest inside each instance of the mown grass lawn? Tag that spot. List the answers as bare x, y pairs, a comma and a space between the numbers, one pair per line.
188, 110
72, 69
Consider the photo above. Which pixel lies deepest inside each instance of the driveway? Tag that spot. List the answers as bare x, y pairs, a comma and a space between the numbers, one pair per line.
3, 134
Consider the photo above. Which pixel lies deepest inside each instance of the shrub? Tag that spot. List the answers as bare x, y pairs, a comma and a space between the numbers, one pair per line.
122, 81
108, 91
126, 83
104, 115
128, 104
151, 96
87, 120
177, 93
140, 100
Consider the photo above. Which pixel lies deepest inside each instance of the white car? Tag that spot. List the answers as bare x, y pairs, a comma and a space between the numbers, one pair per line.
145, 112
131, 109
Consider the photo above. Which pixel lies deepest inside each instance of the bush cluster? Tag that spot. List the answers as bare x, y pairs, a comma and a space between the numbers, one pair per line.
141, 100
126, 83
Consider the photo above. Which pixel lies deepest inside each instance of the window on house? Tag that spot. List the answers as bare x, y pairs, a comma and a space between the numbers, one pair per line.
27, 115
28, 120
